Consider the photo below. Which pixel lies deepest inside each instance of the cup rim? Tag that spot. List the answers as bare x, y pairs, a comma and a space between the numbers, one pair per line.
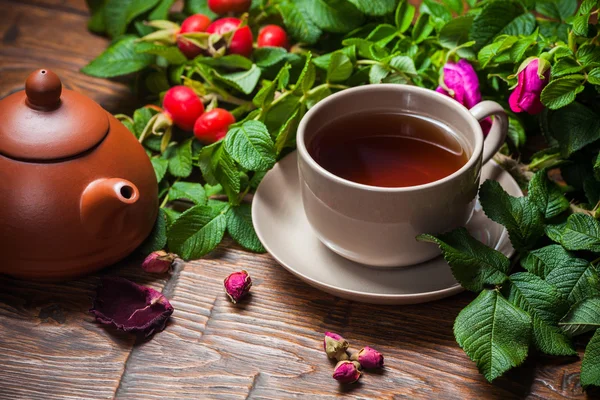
305, 155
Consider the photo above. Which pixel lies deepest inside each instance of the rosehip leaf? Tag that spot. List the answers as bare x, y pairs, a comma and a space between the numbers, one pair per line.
377, 73
197, 232
241, 228
119, 13
375, 8
494, 333
280, 112
231, 61
546, 259
546, 195
218, 168
574, 127
566, 66
268, 56
266, 94
141, 117
583, 317
497, 17
180, 159
244, 81
251, 145
297, 21
169, 53
120, 58
193, 192
198, 7
589, 55
582, 232
286, 133
557, 9
590, 366
160, 166
575, 282
340, 67
545, 304
562, 91
405, 13
474, 265
161, 11
456, 33
333, 15
402, 64
422, 28
522, 219
157, 240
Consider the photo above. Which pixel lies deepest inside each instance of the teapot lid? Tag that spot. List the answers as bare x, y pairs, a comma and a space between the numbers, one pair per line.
46, 122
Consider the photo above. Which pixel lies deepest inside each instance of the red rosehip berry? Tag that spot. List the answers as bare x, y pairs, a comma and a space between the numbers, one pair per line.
241, 43
183, 106
226, 6
213, 125
194, 23
273, 36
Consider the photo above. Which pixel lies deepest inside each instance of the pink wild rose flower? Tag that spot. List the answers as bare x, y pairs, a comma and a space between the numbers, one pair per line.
526, 96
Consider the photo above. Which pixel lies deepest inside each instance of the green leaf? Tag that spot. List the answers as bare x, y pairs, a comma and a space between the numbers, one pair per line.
268, 56
266, 94
456, 6
281, 112
169, 53
580, 25
546, 259
198, 7
422, 28
561, 92
171, 216
340, 68
557, 9
516, 132
241, 229
546, 306
377, 73
456, 33
489, 52
590, 366
594, 76
473, 264
375, 8
555, 30
193, 192
305, 74
566, 66
287, 130
497, 17
161, 11
582, 232
180, 160
522, 219
546, 195
141, 117
366, 49
297, 21
97, 21
521, 26
575, 281
333, 15
244, 81
574, 126
197, 232
157, 240
251, 145
218, 167
120, 58
402, 64
405, 13
119, 13
231, 61
160, 166
494, 333
589, 55
583, 317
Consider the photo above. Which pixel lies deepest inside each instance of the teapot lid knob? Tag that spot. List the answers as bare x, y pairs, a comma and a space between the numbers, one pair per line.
43, 89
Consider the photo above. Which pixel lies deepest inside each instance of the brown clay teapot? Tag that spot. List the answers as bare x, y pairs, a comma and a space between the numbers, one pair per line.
77, 190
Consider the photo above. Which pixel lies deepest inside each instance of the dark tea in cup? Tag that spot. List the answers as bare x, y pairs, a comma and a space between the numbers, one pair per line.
388, 149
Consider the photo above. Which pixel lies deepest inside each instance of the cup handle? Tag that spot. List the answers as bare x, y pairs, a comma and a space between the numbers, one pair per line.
497, 135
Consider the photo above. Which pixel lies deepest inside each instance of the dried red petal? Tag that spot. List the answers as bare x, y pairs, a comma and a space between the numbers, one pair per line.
131, 307
237, 285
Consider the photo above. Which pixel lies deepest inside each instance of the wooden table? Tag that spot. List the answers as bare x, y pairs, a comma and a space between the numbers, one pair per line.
270, 346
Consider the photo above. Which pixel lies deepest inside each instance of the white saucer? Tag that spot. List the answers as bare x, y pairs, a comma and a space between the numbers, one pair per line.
283, 229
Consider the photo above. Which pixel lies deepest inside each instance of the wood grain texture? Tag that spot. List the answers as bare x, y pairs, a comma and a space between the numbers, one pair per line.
267, 347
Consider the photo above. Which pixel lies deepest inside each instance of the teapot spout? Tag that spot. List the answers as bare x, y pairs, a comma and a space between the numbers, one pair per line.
104, 205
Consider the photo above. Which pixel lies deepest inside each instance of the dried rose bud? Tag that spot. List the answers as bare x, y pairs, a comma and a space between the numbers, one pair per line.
158, 262
131, 307
335, 346
237, 285
346, 372
368, 357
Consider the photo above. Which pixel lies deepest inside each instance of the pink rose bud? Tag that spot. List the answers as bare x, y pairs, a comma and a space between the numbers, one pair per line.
158, 262
462, 84
237, 285
526, 96
335, 346
368, 357
346, 372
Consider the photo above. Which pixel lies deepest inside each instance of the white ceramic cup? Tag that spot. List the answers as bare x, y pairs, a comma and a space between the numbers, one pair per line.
377, 225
